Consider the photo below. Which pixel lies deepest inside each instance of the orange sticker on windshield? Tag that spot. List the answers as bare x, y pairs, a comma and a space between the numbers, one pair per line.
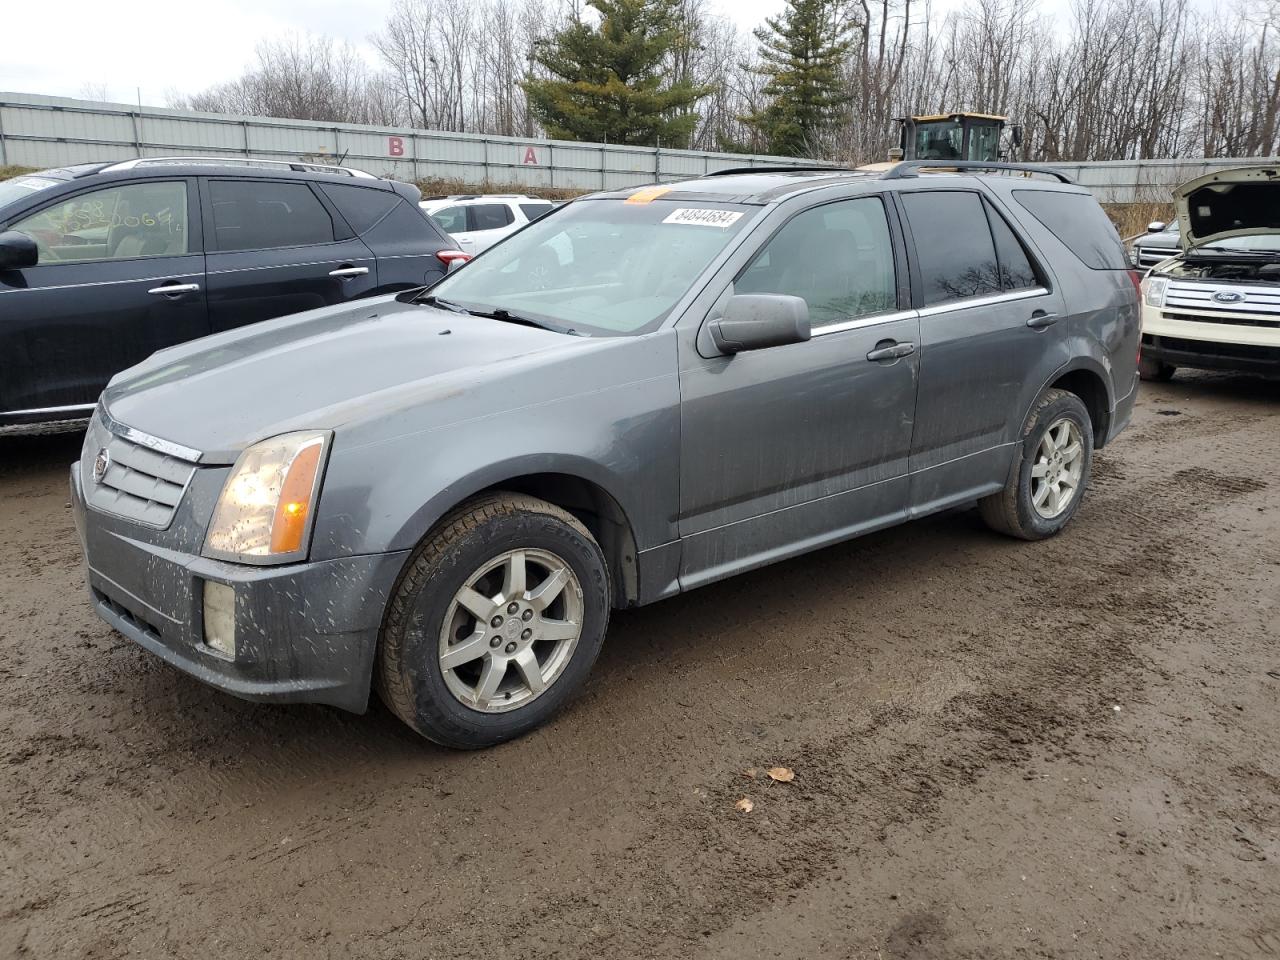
647, 194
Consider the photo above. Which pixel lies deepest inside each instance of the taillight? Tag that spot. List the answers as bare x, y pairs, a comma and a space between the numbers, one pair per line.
449, 256
1134, 275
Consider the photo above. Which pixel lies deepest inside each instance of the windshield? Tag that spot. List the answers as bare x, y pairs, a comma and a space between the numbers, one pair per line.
19, 188
939, 140
599, 267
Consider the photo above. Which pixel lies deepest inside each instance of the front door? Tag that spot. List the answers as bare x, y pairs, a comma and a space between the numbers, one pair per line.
992, 330
120, 275
275, 249
787, 448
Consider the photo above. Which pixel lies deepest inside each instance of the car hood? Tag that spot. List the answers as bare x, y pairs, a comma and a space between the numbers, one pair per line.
318, 370
1229, 203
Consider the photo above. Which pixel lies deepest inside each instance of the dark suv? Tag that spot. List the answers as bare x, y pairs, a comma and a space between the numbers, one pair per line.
103, 264
642, 392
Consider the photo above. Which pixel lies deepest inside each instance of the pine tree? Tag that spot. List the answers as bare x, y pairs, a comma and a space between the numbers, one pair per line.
607, 82
802, 52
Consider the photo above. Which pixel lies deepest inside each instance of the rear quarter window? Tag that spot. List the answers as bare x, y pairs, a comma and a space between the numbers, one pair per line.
1078, 221
361, 207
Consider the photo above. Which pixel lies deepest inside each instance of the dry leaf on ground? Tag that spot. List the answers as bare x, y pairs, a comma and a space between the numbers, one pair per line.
782, 774
744, 805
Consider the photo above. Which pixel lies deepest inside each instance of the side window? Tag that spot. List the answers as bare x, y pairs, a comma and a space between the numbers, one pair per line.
535, 210
361, 207
262, 214
1016, 269
1078, 221
451, 219
838, 257
954, 247
121, 223
489, 216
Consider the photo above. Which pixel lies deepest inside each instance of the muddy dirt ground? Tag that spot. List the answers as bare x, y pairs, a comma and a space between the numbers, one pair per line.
1064, 749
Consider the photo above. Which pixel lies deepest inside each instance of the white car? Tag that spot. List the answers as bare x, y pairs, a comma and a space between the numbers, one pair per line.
478, 222
1215, 304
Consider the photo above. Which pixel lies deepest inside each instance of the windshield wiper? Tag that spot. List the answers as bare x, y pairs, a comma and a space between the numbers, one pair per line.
506, 316
434, 301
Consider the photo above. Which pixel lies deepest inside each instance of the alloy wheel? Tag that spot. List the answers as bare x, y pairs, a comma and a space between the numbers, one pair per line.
510, 630
1057, 469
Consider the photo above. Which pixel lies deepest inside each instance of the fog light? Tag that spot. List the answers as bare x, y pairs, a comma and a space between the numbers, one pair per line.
220, 618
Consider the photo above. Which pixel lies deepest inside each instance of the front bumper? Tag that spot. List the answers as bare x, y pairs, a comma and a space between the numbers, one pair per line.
1217, 340
305, 632
1212, 355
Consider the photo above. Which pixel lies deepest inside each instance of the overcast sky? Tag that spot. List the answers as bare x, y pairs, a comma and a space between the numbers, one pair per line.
157, 45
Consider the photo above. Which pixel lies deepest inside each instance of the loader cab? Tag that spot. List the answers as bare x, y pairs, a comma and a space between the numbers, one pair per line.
956, 136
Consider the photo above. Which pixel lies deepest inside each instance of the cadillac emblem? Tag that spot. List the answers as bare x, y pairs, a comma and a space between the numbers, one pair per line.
101, 463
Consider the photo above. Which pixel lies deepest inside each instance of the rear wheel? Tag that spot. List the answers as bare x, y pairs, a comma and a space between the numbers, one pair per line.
1051, 473
495, 623
1151, 369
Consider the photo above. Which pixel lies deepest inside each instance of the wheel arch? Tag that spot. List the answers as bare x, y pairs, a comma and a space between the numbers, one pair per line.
565, 485
1087, 380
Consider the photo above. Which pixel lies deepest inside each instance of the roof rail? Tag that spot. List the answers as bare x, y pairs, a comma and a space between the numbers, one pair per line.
798, 168
296, 165
912, 168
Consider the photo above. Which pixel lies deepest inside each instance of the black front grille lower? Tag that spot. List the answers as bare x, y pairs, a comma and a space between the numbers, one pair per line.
128, 616
1239, 351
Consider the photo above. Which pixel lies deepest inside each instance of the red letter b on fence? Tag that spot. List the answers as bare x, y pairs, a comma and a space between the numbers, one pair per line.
395, 146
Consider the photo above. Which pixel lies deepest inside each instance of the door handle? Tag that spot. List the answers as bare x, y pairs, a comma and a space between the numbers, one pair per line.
173, 289
346, 273
888, 350
1041, 320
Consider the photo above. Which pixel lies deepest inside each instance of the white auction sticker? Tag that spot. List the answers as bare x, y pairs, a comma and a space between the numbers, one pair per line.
703, 217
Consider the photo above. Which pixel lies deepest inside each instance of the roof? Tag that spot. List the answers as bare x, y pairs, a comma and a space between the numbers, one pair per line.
958, 116
767, 185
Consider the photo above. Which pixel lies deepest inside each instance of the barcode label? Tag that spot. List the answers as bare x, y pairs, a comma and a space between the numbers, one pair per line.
703, 217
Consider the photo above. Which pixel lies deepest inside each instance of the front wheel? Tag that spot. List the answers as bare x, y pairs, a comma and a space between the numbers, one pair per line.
1052, 469
495, 623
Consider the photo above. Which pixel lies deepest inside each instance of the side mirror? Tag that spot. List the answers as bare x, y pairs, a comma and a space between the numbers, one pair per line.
1015, 135
1156, 226
17, 251
754, 321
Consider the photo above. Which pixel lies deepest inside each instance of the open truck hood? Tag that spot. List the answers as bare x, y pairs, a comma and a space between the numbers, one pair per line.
1229, 203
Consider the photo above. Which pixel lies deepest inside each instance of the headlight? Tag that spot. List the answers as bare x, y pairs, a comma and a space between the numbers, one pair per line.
1154, 295
267, 506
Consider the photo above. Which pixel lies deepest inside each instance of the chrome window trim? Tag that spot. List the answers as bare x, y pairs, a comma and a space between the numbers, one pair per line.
983, 301
158, 444
872, 320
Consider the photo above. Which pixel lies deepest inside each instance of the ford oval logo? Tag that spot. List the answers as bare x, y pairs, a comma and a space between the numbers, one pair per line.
101, 463
1227, 296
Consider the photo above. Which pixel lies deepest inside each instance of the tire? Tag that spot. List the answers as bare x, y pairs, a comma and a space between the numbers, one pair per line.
1155, 370
1014, 510
455, 704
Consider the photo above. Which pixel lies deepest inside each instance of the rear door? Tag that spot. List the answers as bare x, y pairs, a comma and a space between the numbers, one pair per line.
277, 247
992, 331
121, 275
487, 223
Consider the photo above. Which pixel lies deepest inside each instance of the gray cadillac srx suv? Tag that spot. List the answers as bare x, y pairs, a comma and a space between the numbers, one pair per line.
443, 494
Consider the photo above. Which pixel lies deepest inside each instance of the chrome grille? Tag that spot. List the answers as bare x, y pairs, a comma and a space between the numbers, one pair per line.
1150, 256
1198, 296
139, 483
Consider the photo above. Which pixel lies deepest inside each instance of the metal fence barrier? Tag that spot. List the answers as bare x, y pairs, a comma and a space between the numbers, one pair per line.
38, 131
